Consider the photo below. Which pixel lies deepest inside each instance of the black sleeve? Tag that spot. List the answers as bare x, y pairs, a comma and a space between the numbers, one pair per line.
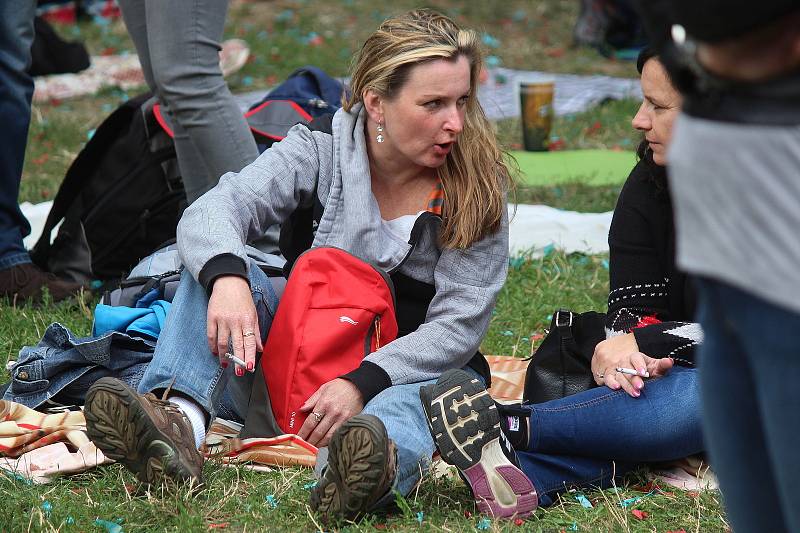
639, 300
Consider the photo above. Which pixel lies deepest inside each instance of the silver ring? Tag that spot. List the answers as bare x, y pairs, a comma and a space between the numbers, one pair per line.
248, 334
599, 376
318, 416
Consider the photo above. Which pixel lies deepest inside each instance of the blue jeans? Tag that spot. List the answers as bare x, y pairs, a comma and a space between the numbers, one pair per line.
749, 374
178, 43
596, 436
182, 353
16, 90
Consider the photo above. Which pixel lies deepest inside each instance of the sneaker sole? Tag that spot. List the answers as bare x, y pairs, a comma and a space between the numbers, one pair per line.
118, 425
357, 462
465, 425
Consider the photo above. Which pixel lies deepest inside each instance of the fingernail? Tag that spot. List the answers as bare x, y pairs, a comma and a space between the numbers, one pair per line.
639, 385
239, 371
636, 393
642, 371
250, 366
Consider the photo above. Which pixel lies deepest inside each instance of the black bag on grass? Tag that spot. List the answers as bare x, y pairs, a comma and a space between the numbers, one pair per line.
120, 200
562, 365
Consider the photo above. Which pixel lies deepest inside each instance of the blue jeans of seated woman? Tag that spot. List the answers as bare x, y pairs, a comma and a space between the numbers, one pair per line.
182, 354
591, 438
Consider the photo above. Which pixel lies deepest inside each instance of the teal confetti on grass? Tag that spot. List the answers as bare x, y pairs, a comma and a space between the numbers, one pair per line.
110, 527
47, 507
484, 524
420, 516
271, 501
585, 503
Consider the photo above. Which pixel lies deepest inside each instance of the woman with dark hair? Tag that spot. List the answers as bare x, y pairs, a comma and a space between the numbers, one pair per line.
591, 438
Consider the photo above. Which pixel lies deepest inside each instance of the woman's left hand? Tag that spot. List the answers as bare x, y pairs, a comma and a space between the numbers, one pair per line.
328, 408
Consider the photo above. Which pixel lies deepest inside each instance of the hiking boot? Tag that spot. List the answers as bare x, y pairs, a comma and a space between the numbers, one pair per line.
361, 468
152, 437
26, 281
465, 426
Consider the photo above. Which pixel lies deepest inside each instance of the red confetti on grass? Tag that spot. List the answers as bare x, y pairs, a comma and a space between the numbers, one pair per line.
641, 515
555, 52
467, 514
41, 159
219, 525
380, 526
693, 494
108, 51
518, 521
555, 146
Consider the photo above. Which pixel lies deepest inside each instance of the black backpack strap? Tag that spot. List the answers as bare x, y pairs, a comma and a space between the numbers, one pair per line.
297, 233
106, 134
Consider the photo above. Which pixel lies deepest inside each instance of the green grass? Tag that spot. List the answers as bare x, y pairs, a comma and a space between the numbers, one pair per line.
531, 35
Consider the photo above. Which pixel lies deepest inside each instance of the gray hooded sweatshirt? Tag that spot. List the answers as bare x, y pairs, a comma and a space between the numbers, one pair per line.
214, 229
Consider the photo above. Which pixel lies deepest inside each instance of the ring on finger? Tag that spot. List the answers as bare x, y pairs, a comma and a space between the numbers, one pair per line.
318, 416
600, 376
248, 334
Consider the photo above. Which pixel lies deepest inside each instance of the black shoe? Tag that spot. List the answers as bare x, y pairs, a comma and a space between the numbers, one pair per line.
465, 426
361, 468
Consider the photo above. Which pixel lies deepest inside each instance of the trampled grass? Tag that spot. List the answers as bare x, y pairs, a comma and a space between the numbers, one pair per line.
281, 33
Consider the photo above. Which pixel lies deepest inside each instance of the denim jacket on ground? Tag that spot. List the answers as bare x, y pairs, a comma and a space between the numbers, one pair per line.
64, 365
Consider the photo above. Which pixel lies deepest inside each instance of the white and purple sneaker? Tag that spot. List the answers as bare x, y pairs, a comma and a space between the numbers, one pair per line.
465, 426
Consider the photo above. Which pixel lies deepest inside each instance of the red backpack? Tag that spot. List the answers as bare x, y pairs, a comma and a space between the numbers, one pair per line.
335, 310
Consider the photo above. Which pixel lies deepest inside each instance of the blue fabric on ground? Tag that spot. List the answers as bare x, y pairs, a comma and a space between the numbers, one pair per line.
133, 321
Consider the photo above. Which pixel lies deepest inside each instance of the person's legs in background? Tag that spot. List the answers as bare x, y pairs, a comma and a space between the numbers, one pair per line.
210, 132
18, 276
749, 372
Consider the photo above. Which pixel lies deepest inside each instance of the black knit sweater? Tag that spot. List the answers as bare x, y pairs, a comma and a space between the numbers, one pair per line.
645, 285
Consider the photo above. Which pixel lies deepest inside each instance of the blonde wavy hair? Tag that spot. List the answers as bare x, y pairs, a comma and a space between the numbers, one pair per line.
475, 176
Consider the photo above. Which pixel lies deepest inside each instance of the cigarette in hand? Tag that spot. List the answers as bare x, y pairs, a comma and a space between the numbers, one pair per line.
632, 372
237, 360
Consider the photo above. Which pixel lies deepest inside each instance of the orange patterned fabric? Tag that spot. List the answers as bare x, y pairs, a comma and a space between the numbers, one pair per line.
436, 199
508, 377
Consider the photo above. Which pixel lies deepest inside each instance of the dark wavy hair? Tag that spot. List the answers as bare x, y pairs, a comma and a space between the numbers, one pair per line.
656, 172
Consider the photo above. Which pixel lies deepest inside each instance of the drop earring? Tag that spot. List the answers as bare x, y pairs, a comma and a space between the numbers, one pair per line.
379, 137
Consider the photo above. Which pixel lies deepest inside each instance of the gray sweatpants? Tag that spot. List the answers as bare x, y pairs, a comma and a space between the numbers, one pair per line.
178, 43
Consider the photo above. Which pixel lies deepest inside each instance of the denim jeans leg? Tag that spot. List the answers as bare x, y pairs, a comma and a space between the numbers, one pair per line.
182, 353
184, 38
552, 474
16, 90
591, 438
400, 410
749, 370
664, 423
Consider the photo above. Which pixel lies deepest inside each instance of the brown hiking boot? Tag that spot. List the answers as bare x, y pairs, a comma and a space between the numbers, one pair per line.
26, 281
153, 438
361, 467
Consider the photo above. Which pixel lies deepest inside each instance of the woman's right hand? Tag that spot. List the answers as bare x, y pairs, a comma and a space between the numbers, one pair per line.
232, 317
623, 352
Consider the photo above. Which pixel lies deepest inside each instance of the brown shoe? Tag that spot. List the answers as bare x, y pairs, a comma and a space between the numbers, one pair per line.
26, 281
361, 467
153, 438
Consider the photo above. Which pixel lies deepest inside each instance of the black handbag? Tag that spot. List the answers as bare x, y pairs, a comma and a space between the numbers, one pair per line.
562, 365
